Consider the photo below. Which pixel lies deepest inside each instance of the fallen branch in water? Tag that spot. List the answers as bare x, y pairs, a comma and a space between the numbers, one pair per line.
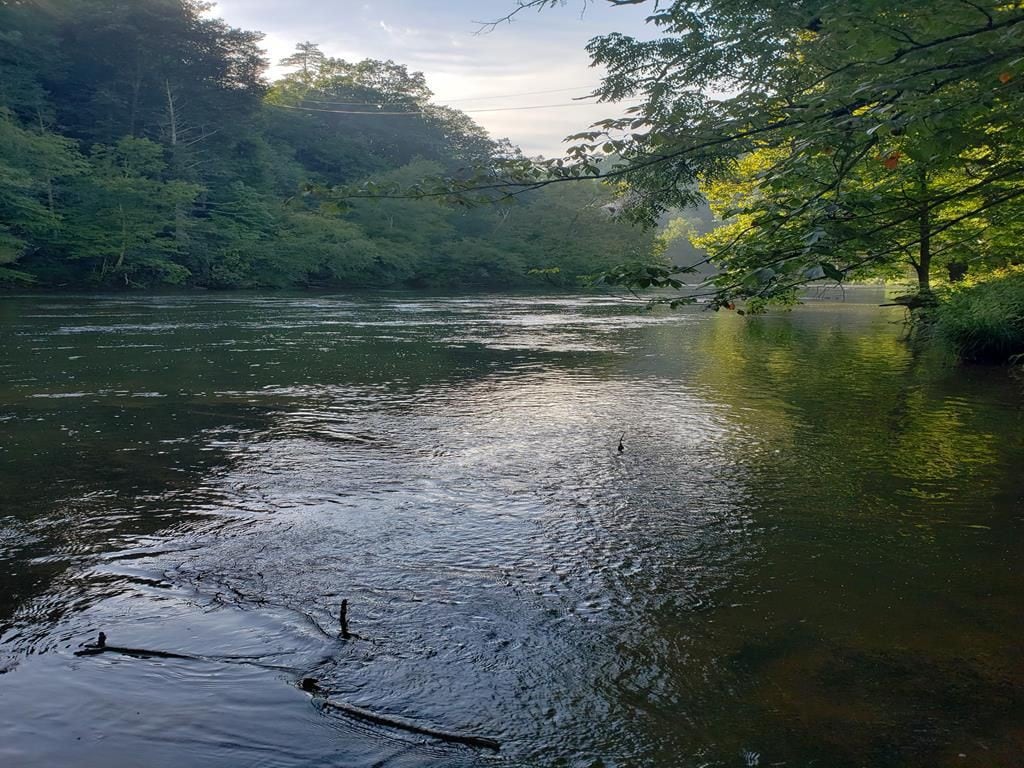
100, 646
141, 653
309, 685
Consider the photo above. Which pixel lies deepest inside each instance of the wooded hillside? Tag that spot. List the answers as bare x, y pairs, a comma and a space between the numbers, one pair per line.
142, 145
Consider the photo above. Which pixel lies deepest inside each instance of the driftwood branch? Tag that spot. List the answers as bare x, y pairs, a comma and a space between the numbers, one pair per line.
100, 646
310, 686
141, 653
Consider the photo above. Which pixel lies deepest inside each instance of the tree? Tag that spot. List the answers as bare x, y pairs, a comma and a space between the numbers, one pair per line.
33, 166
374, 114
310, 61
854, 134
125, 217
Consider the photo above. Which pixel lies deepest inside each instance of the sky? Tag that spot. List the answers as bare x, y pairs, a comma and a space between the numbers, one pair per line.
466, 68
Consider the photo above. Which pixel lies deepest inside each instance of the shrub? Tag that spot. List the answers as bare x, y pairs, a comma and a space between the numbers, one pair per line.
984, 322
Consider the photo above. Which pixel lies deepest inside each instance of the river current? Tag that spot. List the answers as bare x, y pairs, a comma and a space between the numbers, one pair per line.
807, 554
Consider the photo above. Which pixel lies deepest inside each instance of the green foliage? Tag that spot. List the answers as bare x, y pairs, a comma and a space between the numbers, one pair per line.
33, 167
984, 322
838, 139
124, 216
140, 146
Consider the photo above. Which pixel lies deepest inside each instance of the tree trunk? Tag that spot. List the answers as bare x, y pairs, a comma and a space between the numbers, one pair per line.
172, 130
172, 115
923, 265
124, 238
49, 176
136, 86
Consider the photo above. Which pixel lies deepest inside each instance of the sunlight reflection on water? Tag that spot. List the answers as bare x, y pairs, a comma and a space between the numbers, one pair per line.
760, 570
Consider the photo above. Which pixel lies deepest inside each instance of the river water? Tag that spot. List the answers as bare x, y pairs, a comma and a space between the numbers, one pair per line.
809, 553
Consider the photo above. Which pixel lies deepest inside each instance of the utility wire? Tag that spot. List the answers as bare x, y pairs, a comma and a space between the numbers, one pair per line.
425, 112
524, 93
455, 101
346, 111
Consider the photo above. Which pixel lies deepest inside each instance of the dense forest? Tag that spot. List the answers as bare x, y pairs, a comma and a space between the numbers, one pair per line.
142, 145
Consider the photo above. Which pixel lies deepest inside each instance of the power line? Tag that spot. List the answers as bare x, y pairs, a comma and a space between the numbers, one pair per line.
377, 104
345, 111
455, 101
535, 106
524, 93
425, 112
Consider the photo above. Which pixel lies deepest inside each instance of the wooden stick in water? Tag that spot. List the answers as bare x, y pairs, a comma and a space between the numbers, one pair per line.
343, 616
141, 653
310, 686
100, 646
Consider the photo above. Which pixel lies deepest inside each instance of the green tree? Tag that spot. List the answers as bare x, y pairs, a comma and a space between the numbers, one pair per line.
34, 166
124, 219
309, 60
881, 129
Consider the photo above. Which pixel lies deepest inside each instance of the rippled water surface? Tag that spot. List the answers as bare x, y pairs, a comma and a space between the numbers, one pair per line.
808, 554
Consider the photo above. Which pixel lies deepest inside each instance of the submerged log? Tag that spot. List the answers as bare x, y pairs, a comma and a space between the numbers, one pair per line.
309, 685
100, 646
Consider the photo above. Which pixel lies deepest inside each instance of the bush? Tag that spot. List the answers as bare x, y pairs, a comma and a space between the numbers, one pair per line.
984, 322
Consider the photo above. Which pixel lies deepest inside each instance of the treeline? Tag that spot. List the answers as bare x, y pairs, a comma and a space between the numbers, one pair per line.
141, 145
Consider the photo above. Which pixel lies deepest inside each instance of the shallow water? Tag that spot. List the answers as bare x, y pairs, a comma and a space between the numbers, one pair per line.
807, 555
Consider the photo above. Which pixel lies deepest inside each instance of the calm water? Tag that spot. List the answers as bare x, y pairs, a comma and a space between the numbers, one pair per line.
808, 555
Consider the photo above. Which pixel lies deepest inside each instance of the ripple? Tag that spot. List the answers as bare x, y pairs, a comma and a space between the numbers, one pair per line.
800, 505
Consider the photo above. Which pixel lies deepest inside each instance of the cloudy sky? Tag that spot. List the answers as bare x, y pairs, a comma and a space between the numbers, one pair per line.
468, 70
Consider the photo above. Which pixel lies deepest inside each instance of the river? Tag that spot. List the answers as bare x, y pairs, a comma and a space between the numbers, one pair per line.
808, 554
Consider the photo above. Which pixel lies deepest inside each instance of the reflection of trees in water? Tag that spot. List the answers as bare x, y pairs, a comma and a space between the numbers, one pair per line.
861, 408
860, 632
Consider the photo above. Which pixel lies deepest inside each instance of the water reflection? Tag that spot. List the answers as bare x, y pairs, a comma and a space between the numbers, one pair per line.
806, 551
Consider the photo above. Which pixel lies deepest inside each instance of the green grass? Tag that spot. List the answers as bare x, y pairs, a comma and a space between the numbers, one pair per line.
984, 322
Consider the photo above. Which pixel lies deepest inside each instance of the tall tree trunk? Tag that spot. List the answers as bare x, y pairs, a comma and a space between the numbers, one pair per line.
172, 115
124, 238
136, 86
923, 264
49, 176
172, 128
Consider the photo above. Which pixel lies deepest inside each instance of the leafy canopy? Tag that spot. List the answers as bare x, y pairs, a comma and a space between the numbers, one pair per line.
839, 138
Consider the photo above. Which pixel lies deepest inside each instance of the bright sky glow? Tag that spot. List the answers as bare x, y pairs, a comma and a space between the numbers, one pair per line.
538, 52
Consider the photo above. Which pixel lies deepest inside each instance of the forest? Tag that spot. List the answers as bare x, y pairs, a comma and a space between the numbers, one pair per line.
338, 431
142, 145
